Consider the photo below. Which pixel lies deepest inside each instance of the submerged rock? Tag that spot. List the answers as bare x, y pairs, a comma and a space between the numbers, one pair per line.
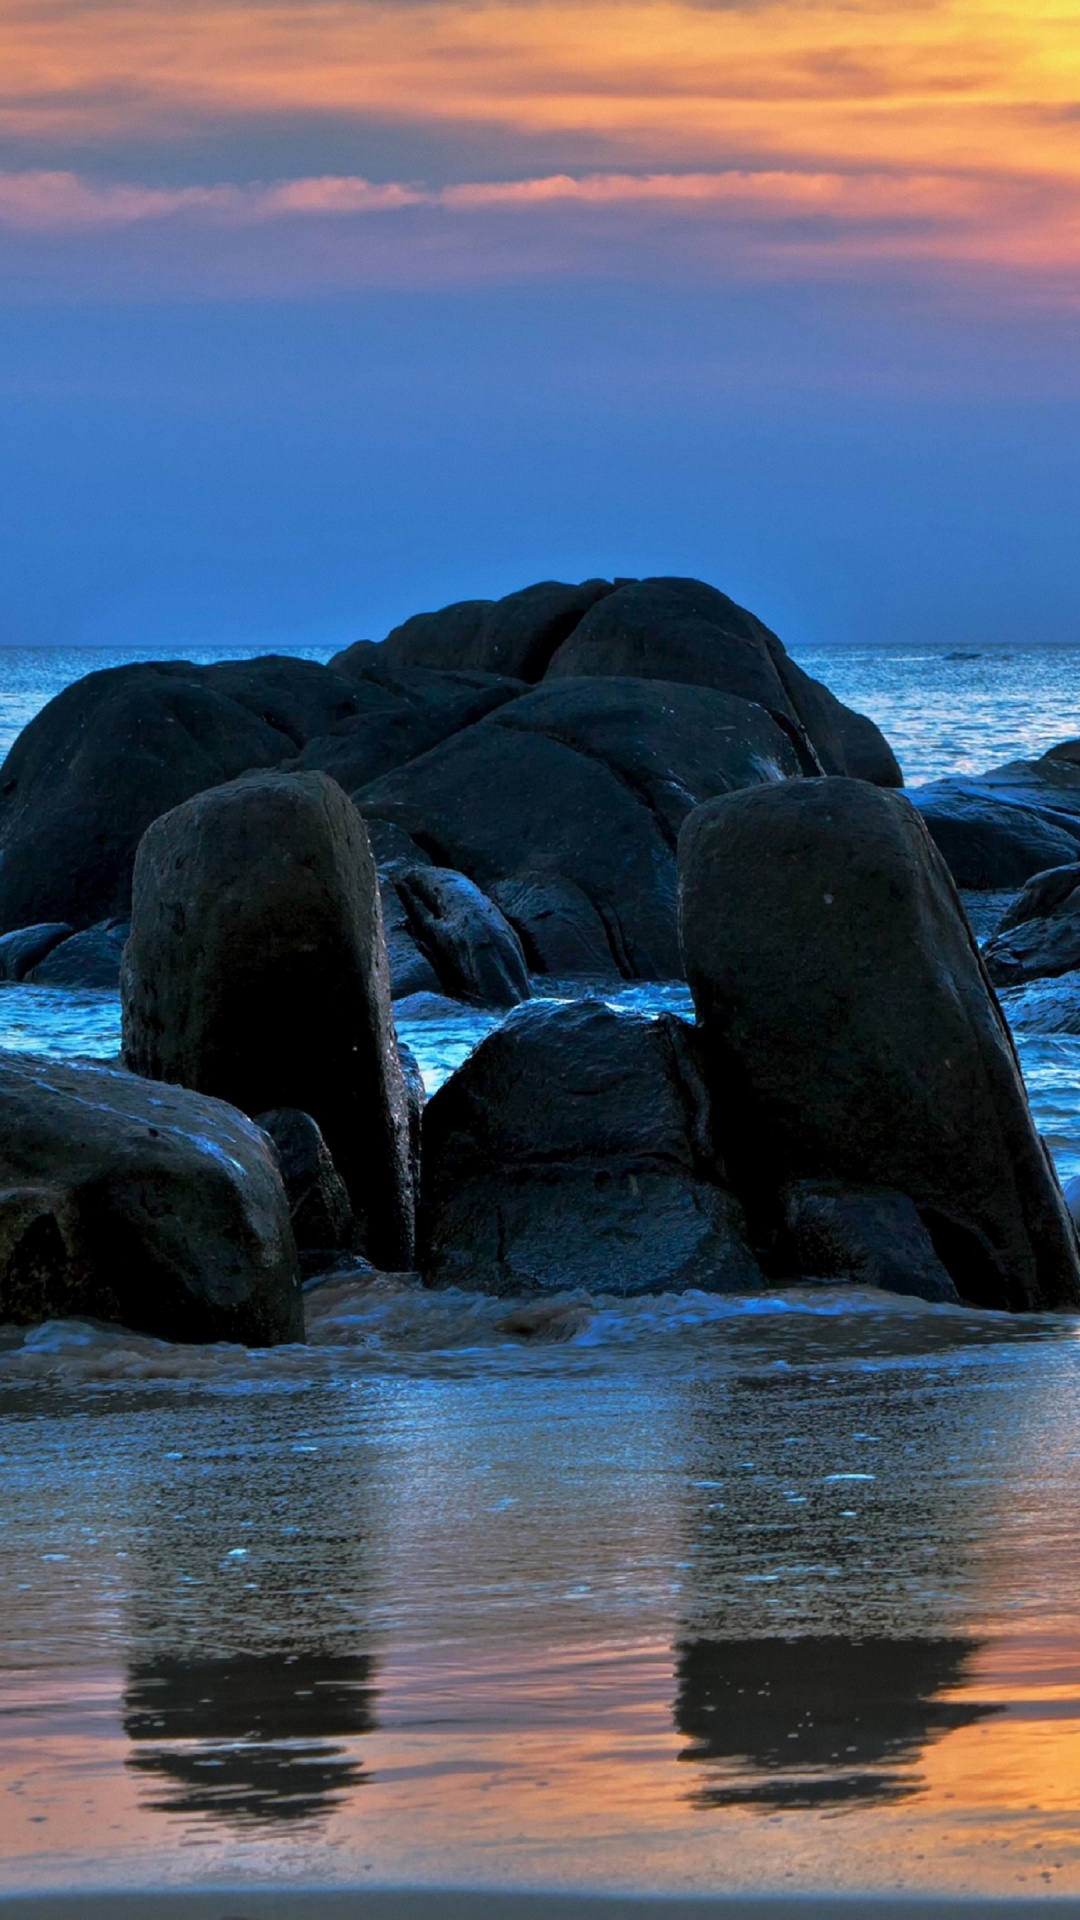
256, 971
849, 1036
122, 1199
572, 1151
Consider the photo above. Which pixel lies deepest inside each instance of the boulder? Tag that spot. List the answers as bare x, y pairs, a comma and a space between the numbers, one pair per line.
90, 772
849, 1034
401, 712
682, 630
1043, 1006
1036, 949
991, 839
322, 1217
410, 970
472, 947
864, 1238
494, 802
256, 970
1042, 896
125, 1200
571, 1150
88, 959
516, 635
560, 931
26, 946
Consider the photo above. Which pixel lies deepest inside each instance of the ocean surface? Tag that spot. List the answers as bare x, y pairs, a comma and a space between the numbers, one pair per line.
684, 1593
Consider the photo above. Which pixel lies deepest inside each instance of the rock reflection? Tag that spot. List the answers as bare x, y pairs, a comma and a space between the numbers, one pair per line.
250, 1739
816, 1721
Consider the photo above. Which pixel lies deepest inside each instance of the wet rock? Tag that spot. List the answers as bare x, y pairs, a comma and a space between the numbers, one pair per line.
572, 1151
560, 931
867, 1239
991, 839
392, 848
472, 947
125, 1200
416, 1098
410, 970
495, 802
516, 635
426, 1006
256, 970
84, 780
1039, 934
322, 1217
1044, 1006
849, 1036
26, 946
88, 959
676, 629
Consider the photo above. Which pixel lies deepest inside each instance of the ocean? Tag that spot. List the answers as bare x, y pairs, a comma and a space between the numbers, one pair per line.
694, 1595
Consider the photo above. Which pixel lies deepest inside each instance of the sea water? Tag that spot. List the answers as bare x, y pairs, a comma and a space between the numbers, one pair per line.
678, 1593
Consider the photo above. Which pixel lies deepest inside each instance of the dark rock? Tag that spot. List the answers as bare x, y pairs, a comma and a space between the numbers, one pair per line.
88, 959
22, 950
322, 1217
1072, 1200
868, 1239
1037, 949
516, 635
672, 745
682, 630
416, 1098
560, 931
427, 1006
470, 944
91, 771
392, 849
992, 839
1043, 1006
572, 1150
495, 802
410, 970
849, 1035
402, 712
256, 970
144, 1204
1045, 894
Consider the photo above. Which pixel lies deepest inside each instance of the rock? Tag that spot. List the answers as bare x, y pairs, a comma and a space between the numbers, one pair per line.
401, 713
517, 635
416, 1098
392, 849
991, 840
671, 745
571, 1151
322, 1218
427, 1006
1072, 1200
1044, 894
88, 959
144, 1204
472, 947
872, 1238
682, 630
1037, 949
22, 950
1043, 1006
849, 1036
494, 802
91, 771
410, 971
560, 931
256, 970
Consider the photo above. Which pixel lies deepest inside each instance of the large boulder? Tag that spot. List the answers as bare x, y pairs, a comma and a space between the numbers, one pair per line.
90, 772
1039, 934
256, 971
572, 1150
88, 959
22, 949
682, 630
994, 838
516, 635
849, 1034
564, 806
322, 1216
122, 1199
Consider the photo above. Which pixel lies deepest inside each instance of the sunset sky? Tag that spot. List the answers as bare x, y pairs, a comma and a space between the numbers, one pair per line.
313, 314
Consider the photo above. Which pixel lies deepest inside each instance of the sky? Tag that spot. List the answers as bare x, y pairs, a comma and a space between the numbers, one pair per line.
314, 313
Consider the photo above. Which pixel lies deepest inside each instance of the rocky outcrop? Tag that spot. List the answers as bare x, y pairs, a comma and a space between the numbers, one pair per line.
472, 947
516, 635
400, 712
125, 1200
682, 630
84, 780
21, 950
849, 1035
256, 971
993, 840
322, 1217
565, 805
1039, 934
572, 1150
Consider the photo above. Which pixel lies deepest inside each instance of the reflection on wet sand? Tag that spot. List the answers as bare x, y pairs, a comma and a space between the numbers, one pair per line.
817, 1721
249, 1739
